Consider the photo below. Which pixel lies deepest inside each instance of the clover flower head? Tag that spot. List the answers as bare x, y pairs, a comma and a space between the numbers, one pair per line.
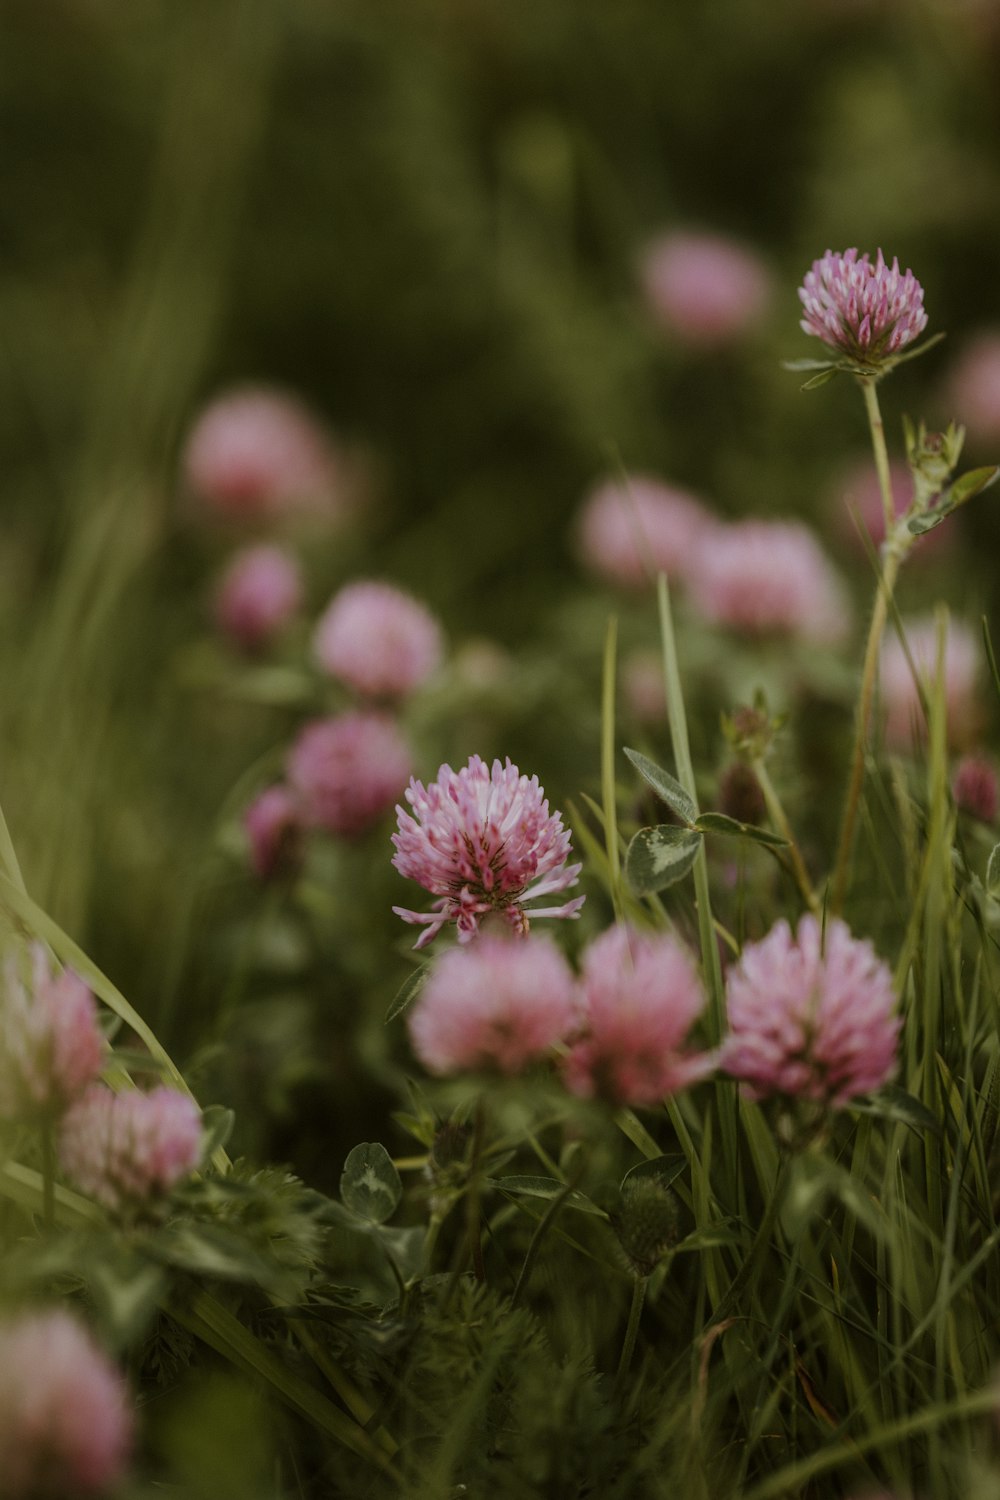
703, 288
640, 994
378, 639
974, 787
631, 529
482, 840
904, 718
497, 1003
811, 1016
50, 1042
260, 454
273, 827
868, 311
65, 1418
130, 1149
769, 578
257, 595
348, 770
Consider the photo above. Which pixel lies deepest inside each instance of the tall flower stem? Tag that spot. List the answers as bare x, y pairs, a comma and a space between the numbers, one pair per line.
778, 817
685, 775
632, 1327
893, 552
869, 390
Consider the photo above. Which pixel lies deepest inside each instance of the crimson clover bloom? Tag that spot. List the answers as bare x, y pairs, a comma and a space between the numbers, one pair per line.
482, 841
498, 1003
868, 312
128, 1149
811, 1016
640, 995
51, 1045
65, 1417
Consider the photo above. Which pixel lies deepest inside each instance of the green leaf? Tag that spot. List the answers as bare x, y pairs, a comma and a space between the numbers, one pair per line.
716, 822
217, 1126
665, 787
993, 872
545, 1187
663, 1169
894, 1103
369, 1184
971, 484
407, 992
659, 857
823, 378
710, 1237
920, 525
991, 655
797, 366
928, 344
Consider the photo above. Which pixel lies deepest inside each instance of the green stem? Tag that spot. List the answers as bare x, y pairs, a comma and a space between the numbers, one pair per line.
870, 392
685, 775
632, 1328
869, 672
778, 817
544, 1225
895, 547
608, 765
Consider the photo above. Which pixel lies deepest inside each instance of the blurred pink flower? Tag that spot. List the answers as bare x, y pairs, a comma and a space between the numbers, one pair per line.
257, 595
630, 530
347, 771
769, 577
482, 841
65, 1418
866, 311
125, 1149
378, 639
705, 289
974, 787
273, 825
50, 1043
812, 1016
496, 1003
974, 386
640, 996
642, 687
259, 454
904, 717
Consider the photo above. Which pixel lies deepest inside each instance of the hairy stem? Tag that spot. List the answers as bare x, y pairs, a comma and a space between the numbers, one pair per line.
776, 813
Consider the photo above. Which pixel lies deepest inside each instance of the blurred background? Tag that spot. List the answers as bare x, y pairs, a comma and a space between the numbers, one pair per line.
442, 225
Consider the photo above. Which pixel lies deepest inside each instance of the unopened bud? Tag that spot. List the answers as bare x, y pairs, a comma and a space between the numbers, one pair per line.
646, 1223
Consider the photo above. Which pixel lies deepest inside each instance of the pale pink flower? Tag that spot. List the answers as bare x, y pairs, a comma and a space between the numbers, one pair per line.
257, 595
974, 788
496, 1003
50, 1042
65, 1417
705, 289
811, 1016
378, 639
904, 717
482, 841
127, 1149
640, 997
631, 529
273, 825
974, 386
348, 770
769, 578
260, 454
864, 310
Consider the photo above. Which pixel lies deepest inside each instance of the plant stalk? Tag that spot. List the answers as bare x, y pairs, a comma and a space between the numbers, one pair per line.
776, 813
632, 1327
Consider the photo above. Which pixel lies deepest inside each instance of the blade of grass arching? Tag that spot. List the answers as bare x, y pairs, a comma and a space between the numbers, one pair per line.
24, 910
935, 918
608, 797
8, 856
702, 1199
209, 1321
25, 1187
794, 1478
991, 655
